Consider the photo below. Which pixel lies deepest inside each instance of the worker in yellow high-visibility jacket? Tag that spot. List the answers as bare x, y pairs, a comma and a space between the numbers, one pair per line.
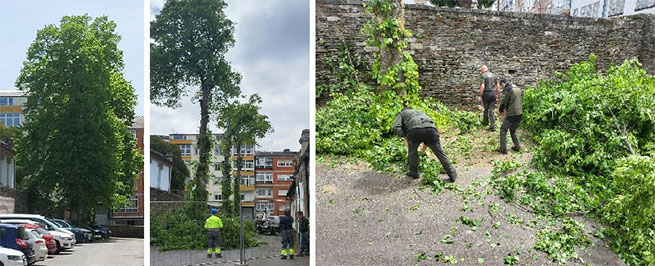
214, 225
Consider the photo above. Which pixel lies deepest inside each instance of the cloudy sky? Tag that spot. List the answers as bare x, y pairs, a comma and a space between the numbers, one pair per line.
20, 20
272, 54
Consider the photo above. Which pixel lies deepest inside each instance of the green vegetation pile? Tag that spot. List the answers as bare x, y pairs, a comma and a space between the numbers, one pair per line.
183, 229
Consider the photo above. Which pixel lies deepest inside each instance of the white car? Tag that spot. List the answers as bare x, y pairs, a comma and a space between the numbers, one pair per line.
63, 240
11, 257
39, 244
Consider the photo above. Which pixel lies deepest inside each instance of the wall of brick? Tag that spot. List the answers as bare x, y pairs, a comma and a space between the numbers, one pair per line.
449, 45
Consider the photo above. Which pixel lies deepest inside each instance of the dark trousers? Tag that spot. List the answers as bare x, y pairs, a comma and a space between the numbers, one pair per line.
214, 241
304, 242
287, 239
511, 123
489, 103
429, 137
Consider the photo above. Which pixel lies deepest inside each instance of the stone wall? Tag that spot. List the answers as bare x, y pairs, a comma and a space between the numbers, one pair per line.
13, 201
449, 45
162, 201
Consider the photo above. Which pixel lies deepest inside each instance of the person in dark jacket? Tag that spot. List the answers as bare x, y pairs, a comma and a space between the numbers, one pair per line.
286, 225
417, 127
512, 104
488, 96
303, 228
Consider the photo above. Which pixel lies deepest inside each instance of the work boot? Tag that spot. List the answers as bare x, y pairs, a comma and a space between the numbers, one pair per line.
219, 255
412, 175
290, 257
284, 257
501, 151
516, 149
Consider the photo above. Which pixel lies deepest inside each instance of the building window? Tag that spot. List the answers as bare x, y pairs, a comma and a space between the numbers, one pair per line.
131, 206
185, 149
282, 192
615, 7
217, 151
247, 180
284, 207
575, 12
217, 167
282, 178
265, 193
6, 101
642, 4
264, 177
218, 197
262, 206
284, 163
10, 119
246, 149
218, 179
177, 136
247, 165
264, 162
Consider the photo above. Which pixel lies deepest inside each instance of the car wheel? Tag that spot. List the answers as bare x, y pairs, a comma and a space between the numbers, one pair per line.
58, 250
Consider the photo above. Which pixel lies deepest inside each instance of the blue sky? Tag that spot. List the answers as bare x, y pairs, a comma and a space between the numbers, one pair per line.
271, 52
20, 20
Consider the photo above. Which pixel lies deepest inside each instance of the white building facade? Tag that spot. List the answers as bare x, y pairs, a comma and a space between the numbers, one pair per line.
611, 8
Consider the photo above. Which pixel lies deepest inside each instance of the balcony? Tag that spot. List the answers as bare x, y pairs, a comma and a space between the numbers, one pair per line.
250, 187
247, 203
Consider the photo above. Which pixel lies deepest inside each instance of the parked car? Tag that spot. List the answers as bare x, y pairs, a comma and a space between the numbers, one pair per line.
81, 235
63, 241
12, 257
40, 249
37, 218
100, 232
271, 225
50, 243
15, 237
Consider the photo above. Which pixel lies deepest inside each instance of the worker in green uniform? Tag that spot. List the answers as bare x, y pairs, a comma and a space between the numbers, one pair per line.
512, 104
214, 225
417, 127
488, 96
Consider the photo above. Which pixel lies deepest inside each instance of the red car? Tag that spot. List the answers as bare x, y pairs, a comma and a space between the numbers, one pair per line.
49, 240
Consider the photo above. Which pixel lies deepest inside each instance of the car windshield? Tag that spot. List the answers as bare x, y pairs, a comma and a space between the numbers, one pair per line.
22, 234
42, 231
64, 223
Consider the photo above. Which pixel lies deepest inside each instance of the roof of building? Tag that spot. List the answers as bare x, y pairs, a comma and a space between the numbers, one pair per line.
160, 157
137, 122
14, 93
286, 153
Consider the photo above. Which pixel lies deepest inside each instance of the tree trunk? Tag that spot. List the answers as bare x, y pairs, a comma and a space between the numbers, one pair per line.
389, 55
200, 191
226, 189
237, 180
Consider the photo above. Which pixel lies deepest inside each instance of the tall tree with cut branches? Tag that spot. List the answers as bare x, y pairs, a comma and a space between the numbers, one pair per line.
243, 124
187, 55
76, 152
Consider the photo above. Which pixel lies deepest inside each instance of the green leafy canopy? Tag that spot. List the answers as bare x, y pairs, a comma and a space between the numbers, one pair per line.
76, 152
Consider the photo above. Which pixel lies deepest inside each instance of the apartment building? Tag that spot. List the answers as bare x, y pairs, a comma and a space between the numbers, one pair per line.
188, 144
133, 212
11, 108
274, 172
611, 8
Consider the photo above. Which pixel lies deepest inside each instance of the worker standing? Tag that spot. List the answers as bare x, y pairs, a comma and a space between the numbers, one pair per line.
512, 103
213, 224
488, 96
286, 225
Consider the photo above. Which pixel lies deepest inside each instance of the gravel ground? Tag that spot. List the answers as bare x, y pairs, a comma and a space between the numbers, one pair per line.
369, 218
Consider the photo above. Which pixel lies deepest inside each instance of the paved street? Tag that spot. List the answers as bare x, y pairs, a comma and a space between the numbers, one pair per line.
115, 251
266, 254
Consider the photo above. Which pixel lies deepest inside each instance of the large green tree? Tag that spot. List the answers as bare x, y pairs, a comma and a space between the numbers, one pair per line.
76, 152
179, 170
243, 124
187, 55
